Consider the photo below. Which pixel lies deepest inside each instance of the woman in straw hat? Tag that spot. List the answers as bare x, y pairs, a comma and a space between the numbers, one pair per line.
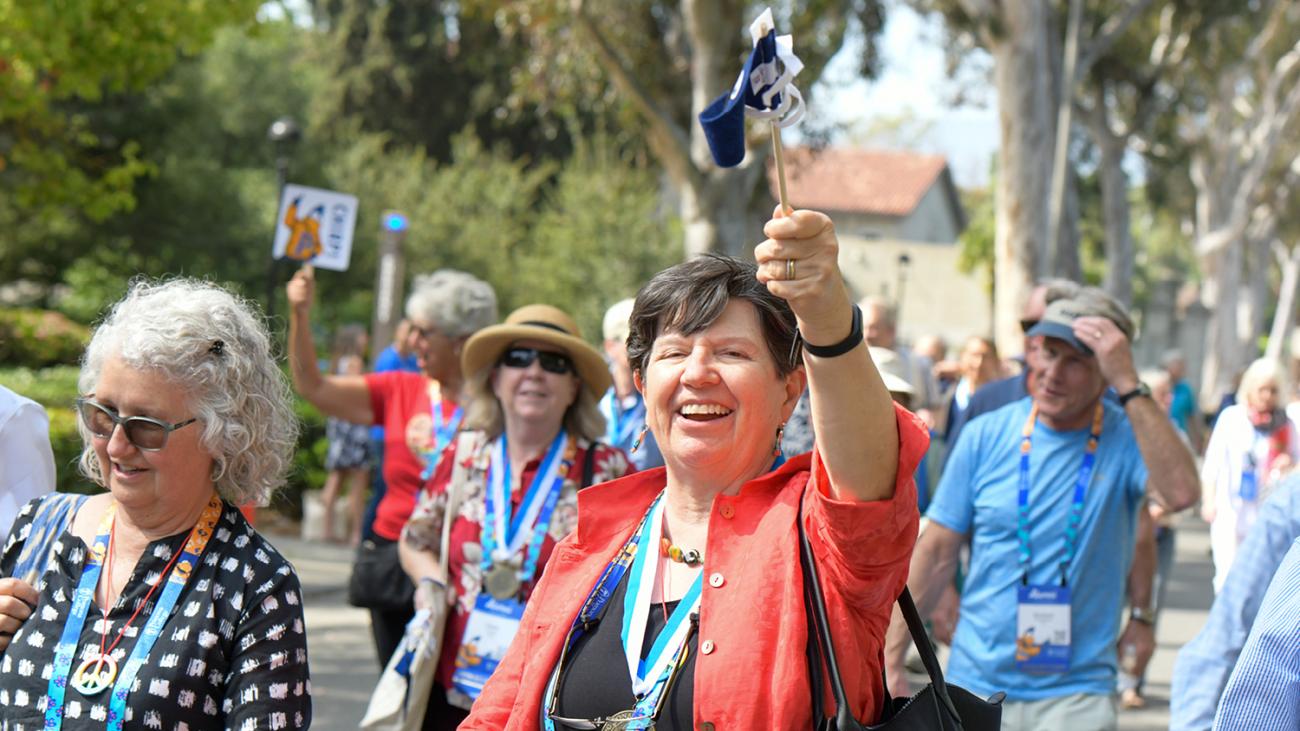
678, 601
531, 421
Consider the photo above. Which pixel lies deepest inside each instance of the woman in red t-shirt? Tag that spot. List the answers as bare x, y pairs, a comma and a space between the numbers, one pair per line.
420, 414
512, 480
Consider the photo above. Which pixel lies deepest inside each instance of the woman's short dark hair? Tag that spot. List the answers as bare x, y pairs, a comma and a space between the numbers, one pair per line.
689, 297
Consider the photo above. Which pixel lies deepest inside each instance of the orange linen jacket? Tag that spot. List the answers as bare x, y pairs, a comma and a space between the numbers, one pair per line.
751, 671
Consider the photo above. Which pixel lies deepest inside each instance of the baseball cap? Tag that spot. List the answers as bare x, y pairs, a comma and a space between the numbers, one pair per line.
1058, 321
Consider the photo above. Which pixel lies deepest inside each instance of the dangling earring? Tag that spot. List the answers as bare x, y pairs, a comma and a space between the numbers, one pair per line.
780, 434
640, 437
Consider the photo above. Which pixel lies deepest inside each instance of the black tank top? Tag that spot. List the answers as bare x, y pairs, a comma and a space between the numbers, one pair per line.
595, 680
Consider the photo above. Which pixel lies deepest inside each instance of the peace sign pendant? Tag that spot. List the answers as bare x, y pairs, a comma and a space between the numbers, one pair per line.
95, 674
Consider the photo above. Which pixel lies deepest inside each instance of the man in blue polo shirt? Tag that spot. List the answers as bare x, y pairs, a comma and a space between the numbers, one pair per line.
1046, 491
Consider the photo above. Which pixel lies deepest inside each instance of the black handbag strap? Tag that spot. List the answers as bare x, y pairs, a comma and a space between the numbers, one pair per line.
816, 606
589, 465
812, 592
920, 638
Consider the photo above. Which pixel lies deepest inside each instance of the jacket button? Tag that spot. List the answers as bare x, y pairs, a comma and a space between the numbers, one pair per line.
716, 580
706, 647
706, 726
728, 510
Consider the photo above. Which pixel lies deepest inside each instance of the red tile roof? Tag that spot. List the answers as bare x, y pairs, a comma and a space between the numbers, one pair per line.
885, 183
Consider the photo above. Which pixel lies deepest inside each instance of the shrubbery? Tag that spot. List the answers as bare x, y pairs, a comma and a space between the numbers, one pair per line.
39, 338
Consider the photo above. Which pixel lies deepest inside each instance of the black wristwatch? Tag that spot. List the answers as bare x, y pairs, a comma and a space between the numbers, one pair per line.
1141, 390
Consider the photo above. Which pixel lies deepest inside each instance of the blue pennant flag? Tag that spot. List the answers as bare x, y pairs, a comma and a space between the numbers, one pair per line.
763, 91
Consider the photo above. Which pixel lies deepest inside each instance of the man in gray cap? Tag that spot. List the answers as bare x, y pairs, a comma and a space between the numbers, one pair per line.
1046, 491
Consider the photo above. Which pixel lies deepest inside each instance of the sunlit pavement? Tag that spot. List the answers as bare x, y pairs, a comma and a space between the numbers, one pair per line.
344, 671
1187, 605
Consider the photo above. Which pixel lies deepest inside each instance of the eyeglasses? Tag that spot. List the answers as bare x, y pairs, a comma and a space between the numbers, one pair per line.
149, 435
557, 363
423, 331
1027, 325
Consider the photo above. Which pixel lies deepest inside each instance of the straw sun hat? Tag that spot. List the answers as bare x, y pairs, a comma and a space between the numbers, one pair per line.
546, 324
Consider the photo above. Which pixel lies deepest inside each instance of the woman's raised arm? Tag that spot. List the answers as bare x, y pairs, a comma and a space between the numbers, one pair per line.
852, 413
343, 397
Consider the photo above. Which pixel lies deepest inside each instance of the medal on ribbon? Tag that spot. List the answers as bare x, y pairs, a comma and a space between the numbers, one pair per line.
512, 543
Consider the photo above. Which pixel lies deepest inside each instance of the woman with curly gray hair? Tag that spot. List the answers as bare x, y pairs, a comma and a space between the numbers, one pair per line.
184, 415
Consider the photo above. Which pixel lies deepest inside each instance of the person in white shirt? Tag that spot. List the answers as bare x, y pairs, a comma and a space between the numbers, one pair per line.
1255, 443
26, 459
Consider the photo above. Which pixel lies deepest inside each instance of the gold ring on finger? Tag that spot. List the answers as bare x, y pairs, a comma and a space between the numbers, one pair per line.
789, 269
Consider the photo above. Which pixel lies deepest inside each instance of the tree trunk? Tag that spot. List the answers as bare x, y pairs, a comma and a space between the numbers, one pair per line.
1284, 317
716, 214
1225, 355
1115, 217
1022, 75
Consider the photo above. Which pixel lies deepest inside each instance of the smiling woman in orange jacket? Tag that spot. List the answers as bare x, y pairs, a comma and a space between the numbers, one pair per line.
679, 598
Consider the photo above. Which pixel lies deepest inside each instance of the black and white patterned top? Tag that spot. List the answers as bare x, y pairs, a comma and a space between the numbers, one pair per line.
233, 655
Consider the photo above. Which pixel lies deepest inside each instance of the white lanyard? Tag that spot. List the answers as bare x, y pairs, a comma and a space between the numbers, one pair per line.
636, 612
506, 545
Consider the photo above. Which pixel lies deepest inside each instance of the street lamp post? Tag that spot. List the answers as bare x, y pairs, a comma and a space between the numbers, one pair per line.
388, 279
284, 136
904, 261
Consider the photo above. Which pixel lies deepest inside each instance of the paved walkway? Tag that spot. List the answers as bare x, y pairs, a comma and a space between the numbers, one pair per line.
344, 670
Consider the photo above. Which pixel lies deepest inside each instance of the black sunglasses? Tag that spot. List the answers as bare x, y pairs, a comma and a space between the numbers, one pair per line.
146, 434
557, 363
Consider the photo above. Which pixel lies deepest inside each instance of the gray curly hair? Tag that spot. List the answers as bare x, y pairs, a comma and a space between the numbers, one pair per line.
457, 303
215, 345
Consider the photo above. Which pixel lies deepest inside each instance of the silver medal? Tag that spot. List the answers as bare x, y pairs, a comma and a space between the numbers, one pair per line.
621, 721
502, 580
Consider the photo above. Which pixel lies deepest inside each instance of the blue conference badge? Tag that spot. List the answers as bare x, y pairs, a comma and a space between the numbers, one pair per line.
492, 625
1043, 628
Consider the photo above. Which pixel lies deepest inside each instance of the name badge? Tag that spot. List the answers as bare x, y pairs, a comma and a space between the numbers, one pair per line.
1043, 628
492, 625
1249, 485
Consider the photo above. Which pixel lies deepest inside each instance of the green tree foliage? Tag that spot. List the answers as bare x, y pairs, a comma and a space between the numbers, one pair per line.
603, 233
421, 71
57, 60
580, 235
662, 62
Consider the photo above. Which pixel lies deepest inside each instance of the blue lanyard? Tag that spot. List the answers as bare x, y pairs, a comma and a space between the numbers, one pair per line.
501, 532
158, 616
621, 424
1076, 506
442, 434
594, 607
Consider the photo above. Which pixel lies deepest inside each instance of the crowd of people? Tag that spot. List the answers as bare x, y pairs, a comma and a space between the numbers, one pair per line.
611, 534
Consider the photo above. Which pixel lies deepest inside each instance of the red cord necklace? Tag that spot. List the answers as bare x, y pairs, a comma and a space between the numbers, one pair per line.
106, 676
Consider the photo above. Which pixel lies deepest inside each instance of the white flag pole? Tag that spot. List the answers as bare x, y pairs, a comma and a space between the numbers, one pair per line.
777, 150
780, 168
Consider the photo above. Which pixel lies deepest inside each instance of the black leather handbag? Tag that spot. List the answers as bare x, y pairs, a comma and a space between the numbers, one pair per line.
937, 707
378, 580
